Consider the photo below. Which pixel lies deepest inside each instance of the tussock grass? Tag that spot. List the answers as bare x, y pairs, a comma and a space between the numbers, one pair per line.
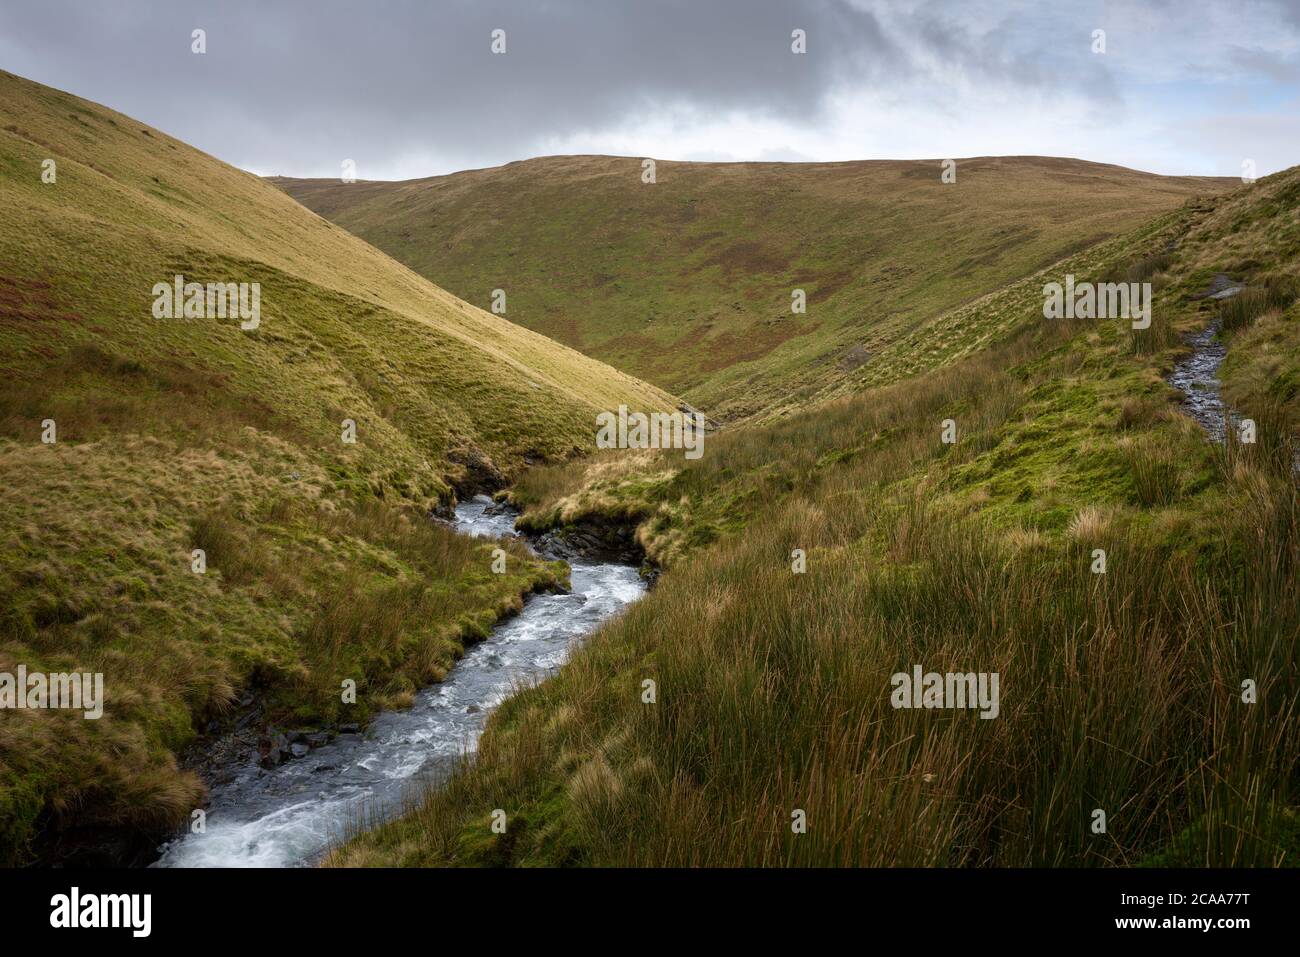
773, 696
1155, 474
1137, 412
228, 548
1158, 337
1276, 448
1242, 310
1147, 267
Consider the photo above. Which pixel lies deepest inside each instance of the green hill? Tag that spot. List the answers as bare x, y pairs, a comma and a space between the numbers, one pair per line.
176, 434
814, 551
687, 282
1131, 583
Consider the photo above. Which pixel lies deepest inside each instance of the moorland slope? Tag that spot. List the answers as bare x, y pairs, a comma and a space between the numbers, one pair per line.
128, 441
688, 282
1131, 582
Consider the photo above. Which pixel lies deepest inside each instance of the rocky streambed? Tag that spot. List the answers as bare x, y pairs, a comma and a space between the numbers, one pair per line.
1197, 376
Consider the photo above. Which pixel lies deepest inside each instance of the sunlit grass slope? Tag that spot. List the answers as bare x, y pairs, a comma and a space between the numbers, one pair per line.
1163, 692
180, 434
687, 282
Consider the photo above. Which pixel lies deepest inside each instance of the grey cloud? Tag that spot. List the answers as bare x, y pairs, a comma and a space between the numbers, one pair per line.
1033, 49
1290, 10
1265, 63
294, 88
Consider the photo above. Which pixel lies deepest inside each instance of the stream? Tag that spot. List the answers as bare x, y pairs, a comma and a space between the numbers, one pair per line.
292, 814
1197, 378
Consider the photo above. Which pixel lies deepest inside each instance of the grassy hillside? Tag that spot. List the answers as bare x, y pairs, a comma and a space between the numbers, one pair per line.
180, 434
1121, 691
687, 282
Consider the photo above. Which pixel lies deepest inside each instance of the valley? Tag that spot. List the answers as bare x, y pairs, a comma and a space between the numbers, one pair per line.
252, 525
688, 282
1126, 575
230, 520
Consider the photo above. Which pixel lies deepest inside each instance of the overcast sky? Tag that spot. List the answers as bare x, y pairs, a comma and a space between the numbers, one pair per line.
410, 89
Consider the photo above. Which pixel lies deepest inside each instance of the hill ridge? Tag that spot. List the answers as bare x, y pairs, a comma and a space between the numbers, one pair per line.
688, 282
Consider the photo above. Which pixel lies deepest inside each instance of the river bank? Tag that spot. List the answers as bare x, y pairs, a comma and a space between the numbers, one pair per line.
290, 813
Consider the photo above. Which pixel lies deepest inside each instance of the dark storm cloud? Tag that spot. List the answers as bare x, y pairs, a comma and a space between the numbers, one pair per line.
294, 87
